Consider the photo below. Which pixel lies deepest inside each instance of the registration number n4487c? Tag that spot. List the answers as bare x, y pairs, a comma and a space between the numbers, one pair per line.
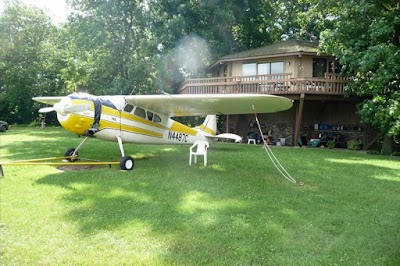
177, 136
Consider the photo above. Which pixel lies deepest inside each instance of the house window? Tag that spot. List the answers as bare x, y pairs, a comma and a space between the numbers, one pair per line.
277, 68
262, 68
249, 69
334, 67
320, 66
225, 71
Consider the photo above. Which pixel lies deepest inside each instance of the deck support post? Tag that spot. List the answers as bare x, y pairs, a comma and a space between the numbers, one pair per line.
298, 120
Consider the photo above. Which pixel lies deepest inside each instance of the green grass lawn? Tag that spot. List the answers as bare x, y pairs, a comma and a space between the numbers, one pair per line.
236, 211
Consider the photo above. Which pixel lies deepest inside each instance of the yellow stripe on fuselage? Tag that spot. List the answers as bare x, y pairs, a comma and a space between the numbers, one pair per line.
80, 124
178, 127
137, 130
141, 120
142, 131
110, 111
208, 130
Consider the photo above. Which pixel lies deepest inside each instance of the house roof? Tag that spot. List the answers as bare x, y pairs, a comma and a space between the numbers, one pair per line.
290, 47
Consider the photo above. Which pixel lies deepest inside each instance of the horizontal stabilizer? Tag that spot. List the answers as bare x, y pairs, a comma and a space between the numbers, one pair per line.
231, 136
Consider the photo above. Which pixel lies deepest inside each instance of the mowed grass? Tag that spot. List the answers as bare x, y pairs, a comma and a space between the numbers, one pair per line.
236, 211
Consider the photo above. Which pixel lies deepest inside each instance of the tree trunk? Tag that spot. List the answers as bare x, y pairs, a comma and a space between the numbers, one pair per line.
387, 146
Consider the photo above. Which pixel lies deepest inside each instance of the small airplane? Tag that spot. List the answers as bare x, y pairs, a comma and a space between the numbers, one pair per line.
148, 118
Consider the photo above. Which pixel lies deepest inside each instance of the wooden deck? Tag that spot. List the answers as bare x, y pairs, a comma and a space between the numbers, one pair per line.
281, 84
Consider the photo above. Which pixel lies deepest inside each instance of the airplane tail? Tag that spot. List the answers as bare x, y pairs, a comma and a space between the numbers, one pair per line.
209, 125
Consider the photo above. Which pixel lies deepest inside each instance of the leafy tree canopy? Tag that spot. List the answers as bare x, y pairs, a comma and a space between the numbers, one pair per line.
143, 47
133, 46
29, 61
365, 38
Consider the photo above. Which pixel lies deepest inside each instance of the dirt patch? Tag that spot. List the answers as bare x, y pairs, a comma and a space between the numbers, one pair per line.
65, 168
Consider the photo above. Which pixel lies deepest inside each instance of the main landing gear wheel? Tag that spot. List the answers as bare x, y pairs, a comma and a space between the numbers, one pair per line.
127, 163
70, 152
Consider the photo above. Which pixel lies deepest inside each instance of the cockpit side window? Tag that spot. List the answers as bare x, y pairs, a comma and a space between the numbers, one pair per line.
140, 112
128, 108
150, 115
156, 119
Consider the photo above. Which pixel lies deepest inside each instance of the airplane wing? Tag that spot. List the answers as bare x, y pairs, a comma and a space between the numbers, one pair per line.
48, 100
208, 104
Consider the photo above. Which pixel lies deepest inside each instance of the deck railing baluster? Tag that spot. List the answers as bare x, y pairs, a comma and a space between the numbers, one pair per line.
272, 84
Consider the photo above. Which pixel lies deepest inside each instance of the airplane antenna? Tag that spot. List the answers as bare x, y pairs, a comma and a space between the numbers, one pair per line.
273, 158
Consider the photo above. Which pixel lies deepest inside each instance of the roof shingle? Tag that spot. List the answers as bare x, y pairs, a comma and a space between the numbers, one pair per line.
280, 48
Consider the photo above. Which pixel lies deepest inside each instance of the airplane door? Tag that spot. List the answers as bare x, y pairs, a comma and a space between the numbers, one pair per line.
97, 113
120, 123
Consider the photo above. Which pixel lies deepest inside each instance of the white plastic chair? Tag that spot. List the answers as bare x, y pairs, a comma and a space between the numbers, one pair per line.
202, 147
249, 141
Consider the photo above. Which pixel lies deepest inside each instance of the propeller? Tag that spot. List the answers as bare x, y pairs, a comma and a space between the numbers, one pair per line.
76, 108
65, 109
46, 110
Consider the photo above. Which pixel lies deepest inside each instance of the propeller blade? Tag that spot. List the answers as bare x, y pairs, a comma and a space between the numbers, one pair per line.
65, 107
76, 108
46, 109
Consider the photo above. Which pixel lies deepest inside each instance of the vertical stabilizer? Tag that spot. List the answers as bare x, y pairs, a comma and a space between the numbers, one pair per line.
209, 125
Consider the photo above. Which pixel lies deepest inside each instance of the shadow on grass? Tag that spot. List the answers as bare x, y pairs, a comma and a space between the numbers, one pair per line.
245, 214
32, 143
239, 210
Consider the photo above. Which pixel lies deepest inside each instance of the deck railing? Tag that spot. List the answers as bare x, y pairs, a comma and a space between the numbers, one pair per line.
267, 84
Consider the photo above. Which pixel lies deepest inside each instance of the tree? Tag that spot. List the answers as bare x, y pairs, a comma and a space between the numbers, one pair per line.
109, 48
29, 61
192, 34
365, 38
133, 46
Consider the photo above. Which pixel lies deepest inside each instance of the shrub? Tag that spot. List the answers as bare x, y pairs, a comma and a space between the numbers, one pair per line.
396, 153
330, 144
353, 145
374, 152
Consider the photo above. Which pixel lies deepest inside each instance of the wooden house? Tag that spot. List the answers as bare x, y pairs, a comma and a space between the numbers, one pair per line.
296, 70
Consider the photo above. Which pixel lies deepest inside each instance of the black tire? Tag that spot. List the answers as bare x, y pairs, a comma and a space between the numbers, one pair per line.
127, 163
70, 152
3, 128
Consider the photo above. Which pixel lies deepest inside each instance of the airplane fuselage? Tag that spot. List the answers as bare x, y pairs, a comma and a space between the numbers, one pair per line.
110, 117
147, 118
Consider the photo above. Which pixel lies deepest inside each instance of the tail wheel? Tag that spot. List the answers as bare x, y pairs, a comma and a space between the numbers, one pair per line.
70, 152
127, 163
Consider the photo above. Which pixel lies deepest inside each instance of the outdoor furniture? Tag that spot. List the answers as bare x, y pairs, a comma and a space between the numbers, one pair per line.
202, 147
251, 141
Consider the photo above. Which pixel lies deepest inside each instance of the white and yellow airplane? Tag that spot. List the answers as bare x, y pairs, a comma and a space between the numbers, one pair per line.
147, 118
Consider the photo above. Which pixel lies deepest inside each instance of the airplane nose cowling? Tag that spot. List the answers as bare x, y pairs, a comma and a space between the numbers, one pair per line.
71, 117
